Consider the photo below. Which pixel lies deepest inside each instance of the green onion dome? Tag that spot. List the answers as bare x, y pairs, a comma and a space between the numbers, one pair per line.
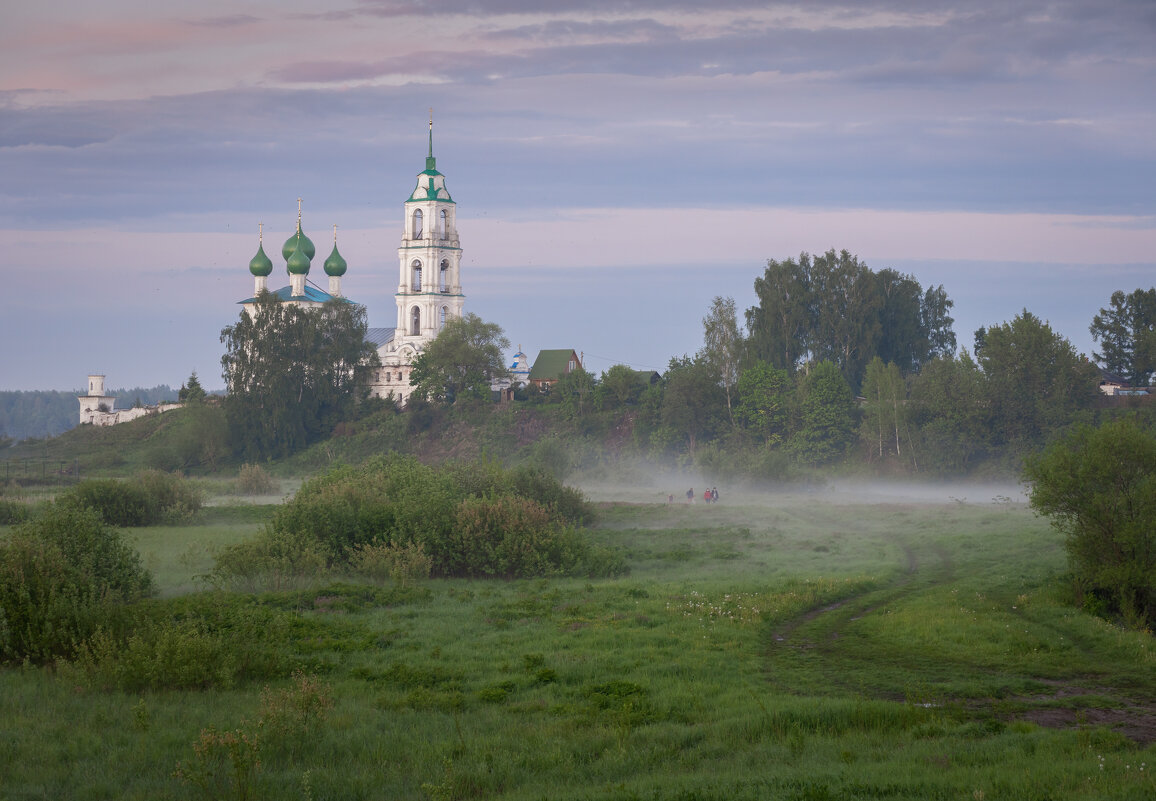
298, 262
261, 265
292, 242
335, 265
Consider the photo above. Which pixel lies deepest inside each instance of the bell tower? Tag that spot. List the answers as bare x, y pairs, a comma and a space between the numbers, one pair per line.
429, 289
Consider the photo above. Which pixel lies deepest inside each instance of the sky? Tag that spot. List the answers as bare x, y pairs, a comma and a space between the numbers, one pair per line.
616, 164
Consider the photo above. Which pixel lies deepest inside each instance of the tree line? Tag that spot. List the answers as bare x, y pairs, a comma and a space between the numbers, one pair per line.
835, 359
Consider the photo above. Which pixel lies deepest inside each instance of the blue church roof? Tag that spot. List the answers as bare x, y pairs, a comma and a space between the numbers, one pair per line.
311, 293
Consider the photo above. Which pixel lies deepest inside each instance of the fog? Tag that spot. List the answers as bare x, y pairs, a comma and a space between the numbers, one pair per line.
642, 484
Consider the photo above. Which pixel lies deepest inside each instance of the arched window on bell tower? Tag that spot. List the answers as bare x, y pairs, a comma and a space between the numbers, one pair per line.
443, 271
444, 224
443, 313
417, 224
415, 322
415, 282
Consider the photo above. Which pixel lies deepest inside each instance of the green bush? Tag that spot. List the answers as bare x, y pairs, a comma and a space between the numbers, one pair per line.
1098, 486
253, 479
12, 512
148, 498
63, 577
469, 519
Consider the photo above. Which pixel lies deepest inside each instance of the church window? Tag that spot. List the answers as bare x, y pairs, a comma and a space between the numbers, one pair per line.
443, 313
387, 375
444, 219
442, 273
415, 284
415, 322
417, 224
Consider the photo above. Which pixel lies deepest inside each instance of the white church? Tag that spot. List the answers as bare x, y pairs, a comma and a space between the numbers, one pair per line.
429, 289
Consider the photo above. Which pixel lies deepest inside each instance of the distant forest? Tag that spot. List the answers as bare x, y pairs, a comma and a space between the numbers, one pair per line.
46, 413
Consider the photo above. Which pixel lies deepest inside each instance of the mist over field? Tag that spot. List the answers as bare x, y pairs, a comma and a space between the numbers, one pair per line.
641, 483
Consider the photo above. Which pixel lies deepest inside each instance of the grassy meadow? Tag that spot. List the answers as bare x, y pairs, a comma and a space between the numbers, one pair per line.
819, 645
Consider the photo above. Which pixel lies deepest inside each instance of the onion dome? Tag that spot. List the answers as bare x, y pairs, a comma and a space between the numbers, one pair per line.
298, 262
335, 265
296, 239
261, 264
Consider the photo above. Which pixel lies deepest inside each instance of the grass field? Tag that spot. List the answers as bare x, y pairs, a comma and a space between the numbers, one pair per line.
830, 645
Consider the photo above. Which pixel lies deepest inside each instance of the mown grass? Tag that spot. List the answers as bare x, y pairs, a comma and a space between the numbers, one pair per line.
773, 647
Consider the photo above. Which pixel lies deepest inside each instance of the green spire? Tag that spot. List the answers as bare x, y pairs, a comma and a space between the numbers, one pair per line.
298, 239
335, 265
430, 161
261, 265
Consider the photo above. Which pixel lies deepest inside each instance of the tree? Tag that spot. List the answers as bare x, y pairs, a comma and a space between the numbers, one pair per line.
780, 325
934, 314
833, 307
764, 400
192, 391
463, 361
884, 425
723, 345
1098, 486
847, 306
1126, 331
292, 373
949, 410
903, 339
576, 391
692, 400
826, 415
1036, 382
621, 385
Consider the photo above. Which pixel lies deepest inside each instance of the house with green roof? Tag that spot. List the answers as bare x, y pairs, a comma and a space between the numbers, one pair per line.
551, 365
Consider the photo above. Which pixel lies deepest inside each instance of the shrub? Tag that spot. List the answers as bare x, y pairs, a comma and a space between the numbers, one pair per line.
255, 480
63, 577
382, 560
1098, 486
119, 503
148, 498
275, 560
12, 512
395, 516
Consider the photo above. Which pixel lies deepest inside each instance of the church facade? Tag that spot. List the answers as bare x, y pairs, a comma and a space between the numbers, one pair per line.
429, 287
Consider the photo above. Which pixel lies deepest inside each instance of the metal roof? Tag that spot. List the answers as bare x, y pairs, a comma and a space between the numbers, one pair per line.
379, 336
312, 293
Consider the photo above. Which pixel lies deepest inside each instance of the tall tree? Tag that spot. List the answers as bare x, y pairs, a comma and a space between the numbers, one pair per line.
780, 325
723, 345
846, 305
764, 401
1036, 382
903, 338
949, 411
935, 315
621, 386
826, 415
463, 361
293, 373
692, 400
884, 424
1126, 331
